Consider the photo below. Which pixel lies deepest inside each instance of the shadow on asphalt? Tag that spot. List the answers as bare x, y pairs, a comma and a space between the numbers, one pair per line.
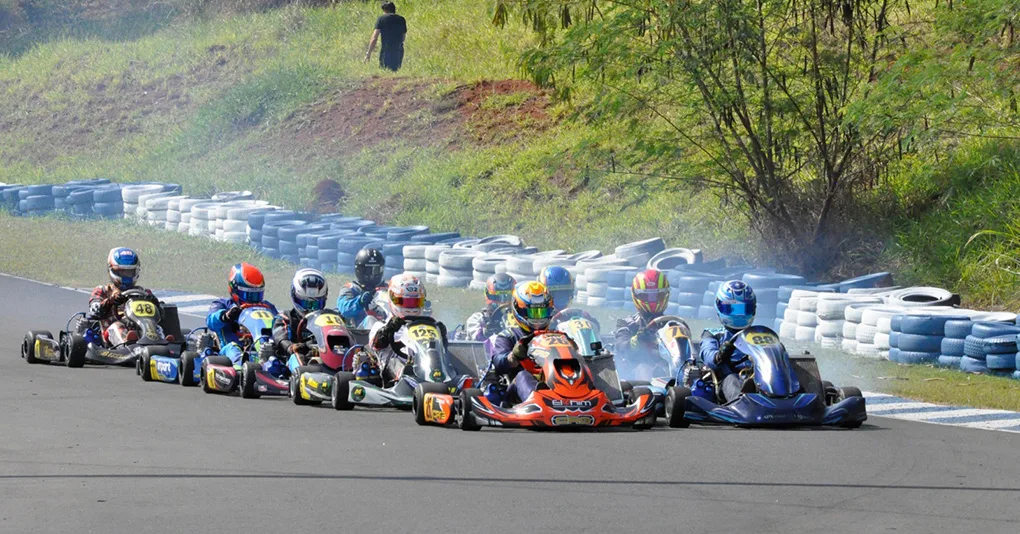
451, 479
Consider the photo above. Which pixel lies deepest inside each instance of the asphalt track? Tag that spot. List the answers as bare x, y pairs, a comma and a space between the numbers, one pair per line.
98, 450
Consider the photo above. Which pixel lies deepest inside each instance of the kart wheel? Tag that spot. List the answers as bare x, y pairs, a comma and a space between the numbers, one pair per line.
203, 375
340, 396
295, 385
187, 371
418, 401
145, 366
649, 421
467, 418
28, 345
74, 355
248, 381
676, 405
846, 393
830, 392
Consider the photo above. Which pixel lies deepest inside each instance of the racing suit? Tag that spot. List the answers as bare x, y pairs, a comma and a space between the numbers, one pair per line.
522, 377
226, 330
290, 336
727, 372
487, 322
637, 345
354, 303
104, 307
387, 343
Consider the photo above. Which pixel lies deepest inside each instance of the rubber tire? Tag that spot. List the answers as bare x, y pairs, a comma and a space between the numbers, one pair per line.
417, 406
952, 347
676, 406
919, 343
75, 357
28, 345
845, 393
145, 366
248, 380
467, 420
187, 370
1001, 362
341, 390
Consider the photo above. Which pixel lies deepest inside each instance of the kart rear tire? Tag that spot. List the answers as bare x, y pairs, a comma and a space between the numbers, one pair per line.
187, 371
145, 366
648, 422
248, 380
74, 355
826, 388
28, 345
339, 396
203, 375
676, 406
846, 393
417, 402
467, 419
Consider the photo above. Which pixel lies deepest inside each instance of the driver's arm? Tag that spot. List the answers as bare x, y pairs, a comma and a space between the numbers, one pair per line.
499, 349
709, 348
281, 339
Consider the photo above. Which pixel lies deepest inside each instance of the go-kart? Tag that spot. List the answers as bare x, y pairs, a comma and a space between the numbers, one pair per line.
252, 369
460, 333
333, 345
567, 396
641, 367
779, 391
82, 341
427, 365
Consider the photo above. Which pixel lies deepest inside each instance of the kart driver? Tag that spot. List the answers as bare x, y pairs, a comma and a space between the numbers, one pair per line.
308, 292
531, 310
247, 287
560, 284
735, 305
106, 302
499, 289
407, 299
650, 292
354, 302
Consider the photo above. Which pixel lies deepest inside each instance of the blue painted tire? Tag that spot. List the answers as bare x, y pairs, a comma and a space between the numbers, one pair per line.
270, 242
926, 325
759, 281
918, 343
913, 357
706, 312
687, 312
1001, 362
435, 238
949, 361
692, 284
987, 330
958, 329
1016, 375
39, 203
108, 194
894, 339
271, 252
288, 248
952, 347
972, 365
689, 299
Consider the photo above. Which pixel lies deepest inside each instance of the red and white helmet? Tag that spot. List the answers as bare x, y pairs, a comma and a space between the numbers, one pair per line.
407, 296
650, 291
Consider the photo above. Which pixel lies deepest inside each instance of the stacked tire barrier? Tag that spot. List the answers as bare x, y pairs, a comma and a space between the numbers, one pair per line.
990, 348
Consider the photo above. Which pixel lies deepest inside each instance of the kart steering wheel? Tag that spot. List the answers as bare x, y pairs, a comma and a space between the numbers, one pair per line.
666, 320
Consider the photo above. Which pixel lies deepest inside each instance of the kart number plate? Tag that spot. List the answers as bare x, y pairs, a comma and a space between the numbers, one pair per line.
423, 332
329, 319
143, 309
582, 324
676, 331
261, 315
762, 339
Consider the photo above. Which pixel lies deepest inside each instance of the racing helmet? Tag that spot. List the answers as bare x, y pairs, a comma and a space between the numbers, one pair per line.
368, 268
499, 289
532, 306
560, 285
407, 296
247, 285
308, 290
735, 304
124, 266
650, 291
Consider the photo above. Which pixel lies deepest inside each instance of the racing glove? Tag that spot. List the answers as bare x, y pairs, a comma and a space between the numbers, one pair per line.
520, 352
392, 326
724, 353
232, 314
366, 299
298, 348
94, 309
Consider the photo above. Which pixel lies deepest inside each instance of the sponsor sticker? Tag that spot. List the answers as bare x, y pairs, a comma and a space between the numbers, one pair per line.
438, 408
358, 393
573, 420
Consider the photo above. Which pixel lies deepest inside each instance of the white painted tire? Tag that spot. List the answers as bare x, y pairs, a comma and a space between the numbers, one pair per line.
805, 333
788, 330
830, 329
849, 345
866, 334
807, 318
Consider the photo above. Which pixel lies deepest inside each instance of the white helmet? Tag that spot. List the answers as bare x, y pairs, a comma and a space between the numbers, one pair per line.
308, 291
407, 296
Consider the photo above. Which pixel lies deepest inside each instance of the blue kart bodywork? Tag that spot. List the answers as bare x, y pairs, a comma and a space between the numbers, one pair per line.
786, 392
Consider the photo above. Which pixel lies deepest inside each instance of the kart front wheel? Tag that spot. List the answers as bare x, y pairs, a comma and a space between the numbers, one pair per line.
188, 369
295, 385
418, 401
846, 393
248, 381
467, 417
145, 366
676, 406
339, 398
28, 345
74, 352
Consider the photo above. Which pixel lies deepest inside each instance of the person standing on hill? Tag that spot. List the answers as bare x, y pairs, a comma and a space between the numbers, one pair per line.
392, 28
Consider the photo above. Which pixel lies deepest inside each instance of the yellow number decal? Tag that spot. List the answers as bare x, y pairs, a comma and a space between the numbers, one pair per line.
424, 332
143, 309
676, 331
762, 339
328, 320
582, 324
261, 315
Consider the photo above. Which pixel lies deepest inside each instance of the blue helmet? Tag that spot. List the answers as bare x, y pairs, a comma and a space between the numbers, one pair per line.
124, 267
735, 304
560, 285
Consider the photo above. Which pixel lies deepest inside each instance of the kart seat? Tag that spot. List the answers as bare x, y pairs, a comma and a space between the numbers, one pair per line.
749, 386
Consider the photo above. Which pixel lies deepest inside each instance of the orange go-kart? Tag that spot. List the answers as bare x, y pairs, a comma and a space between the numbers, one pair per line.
566, 397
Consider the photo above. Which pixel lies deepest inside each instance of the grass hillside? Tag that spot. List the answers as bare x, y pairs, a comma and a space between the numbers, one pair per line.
273, 96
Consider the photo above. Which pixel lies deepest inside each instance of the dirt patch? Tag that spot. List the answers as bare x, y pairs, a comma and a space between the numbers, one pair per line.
504, 110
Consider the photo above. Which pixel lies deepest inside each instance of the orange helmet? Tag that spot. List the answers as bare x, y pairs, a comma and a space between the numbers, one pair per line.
532, 306
650, 291
407, 295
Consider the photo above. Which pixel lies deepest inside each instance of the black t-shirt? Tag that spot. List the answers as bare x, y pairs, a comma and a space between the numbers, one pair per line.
392, 28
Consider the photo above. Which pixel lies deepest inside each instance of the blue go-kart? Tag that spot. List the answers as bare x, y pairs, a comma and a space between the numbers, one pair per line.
247, 365
779, 391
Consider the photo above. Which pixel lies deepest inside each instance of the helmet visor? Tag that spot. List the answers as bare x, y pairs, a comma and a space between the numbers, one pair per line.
652, 296
249, 296
500, 295
412, 303
124, 272
310, 304
737, 309
545, 312
370, 274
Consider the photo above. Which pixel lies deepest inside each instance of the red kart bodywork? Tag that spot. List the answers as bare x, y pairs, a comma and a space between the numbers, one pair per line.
566, 397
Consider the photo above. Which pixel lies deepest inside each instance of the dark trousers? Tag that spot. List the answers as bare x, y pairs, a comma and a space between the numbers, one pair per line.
391, 58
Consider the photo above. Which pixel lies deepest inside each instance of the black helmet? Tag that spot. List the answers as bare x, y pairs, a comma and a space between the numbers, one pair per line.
368, 267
